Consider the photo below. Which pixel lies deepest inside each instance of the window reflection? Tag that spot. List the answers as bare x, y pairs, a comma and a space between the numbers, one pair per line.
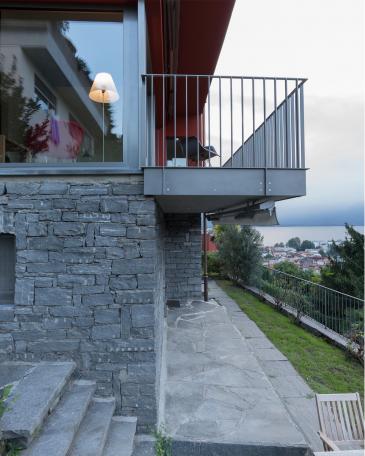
48, 63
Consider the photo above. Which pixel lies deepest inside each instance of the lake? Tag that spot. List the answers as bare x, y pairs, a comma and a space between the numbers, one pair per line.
274, 234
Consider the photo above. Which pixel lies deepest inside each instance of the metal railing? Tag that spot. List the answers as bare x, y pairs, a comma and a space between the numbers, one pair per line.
237, 121
337, 311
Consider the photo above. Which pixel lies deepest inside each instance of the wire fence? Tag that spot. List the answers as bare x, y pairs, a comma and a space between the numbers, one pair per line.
337, 311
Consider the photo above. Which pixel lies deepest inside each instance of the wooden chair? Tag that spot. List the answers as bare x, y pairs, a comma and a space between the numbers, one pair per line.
341, 421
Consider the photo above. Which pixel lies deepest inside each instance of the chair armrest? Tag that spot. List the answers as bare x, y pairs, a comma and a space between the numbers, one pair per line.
328, 442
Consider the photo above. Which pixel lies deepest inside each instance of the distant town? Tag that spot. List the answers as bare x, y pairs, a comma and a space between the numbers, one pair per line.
307, 255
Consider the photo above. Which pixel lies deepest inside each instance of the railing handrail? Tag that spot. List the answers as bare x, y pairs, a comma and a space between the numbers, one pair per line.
211, 76
277, 271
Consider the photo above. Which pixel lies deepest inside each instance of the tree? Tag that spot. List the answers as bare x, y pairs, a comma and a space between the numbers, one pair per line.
279, 244
345, 272
293, 269
294, 243
307, 245
240, 252
17, 110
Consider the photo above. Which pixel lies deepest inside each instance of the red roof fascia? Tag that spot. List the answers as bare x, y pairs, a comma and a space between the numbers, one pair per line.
203, 25
154, 14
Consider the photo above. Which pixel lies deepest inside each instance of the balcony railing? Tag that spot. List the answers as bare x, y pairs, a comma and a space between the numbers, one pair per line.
337, 311
223, 121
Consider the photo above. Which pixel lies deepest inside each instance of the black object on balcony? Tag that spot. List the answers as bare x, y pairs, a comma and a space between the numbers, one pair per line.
189, 148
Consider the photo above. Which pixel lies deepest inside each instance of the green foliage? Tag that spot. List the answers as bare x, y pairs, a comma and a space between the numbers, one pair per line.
294, 243
163, 443
240, 253
12, 449
307, 298
345, 272
4, 394
286, 291
279, 244
8, 448
293, 269
213, 263
307, 245
326, 368
17, 109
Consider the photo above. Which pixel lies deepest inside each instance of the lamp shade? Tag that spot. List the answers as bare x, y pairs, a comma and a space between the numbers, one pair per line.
103, 89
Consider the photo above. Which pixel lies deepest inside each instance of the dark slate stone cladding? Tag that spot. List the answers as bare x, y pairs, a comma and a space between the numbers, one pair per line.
92, 259
183, 256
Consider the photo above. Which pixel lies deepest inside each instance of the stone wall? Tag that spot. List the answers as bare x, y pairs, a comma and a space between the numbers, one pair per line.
93, 257
183, 256
89, 282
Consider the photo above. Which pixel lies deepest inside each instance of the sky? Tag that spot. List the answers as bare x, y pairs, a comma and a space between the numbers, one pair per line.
322, 40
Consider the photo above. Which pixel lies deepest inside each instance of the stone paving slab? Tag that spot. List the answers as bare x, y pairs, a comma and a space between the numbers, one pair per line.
293, 391
216, 391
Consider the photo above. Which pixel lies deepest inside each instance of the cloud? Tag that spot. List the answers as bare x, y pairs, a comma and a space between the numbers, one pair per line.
323, 41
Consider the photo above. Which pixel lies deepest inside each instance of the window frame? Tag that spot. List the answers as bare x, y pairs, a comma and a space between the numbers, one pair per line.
127, 165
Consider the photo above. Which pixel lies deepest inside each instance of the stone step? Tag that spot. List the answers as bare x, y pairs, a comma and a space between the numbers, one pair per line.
121, 436
91, 437
33, 398
144, 445
59, 430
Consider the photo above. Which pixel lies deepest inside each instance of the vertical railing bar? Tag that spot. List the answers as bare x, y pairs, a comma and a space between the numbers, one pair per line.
146, 132
175, 120
243, 126
197, 120
186, 121
163, 123
209, 118
293, 132
297, 121
275, 128
231, 108
302, 145
264, 138
220, 122
286, 126
151, 114
253, 122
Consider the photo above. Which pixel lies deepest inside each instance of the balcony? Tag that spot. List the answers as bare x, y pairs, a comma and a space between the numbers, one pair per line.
223, 145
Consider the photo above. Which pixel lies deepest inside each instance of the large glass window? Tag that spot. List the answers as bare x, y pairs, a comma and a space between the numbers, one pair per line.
61, 87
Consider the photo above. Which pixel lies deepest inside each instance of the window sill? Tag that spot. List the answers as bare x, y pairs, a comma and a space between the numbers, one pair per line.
59, 170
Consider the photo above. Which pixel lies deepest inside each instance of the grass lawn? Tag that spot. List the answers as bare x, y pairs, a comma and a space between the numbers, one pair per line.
326, 368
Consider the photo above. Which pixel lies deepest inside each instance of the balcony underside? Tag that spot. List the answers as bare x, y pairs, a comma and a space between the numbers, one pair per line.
195, 190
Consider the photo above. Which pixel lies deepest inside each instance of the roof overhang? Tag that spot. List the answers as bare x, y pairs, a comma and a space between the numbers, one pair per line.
197, 38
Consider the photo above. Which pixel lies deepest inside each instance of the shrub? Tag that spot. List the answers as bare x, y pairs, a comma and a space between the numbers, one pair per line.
240, 253
214, 263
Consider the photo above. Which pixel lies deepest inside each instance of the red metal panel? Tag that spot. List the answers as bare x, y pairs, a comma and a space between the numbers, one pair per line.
203, 25
155, 34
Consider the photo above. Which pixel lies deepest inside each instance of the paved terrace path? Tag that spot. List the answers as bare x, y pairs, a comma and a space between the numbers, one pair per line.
228, 388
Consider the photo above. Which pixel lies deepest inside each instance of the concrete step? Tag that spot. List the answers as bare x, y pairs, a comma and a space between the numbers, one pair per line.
91, 437
59, 430
33, 398
120, 440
